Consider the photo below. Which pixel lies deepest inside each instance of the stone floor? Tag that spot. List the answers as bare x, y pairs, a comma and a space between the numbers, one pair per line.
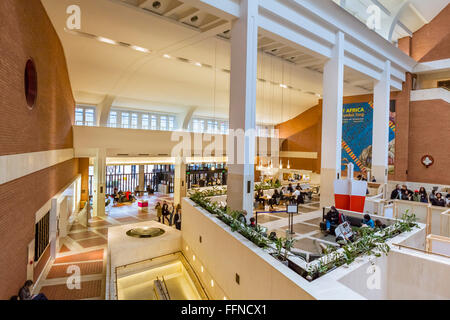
84, 250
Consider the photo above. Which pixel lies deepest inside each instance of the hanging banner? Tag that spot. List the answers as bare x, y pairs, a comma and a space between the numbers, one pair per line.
357, 126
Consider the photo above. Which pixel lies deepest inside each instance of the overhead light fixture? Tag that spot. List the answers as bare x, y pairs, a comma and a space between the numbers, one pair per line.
106, 40
281, 164
198, 64
288, 165
202, 269
283, 86
212, 283
167, 56
140, 49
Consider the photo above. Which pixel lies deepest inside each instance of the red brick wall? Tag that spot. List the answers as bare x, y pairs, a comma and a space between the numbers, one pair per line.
432, 41
19, 201
429, 134
26, 32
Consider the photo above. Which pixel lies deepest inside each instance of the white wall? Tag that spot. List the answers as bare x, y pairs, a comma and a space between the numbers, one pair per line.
223, 254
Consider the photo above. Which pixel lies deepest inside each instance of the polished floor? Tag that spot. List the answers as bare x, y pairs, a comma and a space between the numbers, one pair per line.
85, 248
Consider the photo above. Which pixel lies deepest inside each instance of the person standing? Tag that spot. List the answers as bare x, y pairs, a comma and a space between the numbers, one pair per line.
177, 217
165, 211
158, 209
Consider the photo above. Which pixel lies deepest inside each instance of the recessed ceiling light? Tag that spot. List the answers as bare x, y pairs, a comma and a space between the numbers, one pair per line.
194, 19
283, 86
156, 4
167, 56
106, 40
140, 49
198, 64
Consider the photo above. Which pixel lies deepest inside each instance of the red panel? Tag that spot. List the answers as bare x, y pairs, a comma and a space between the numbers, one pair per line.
342, 201
357, 203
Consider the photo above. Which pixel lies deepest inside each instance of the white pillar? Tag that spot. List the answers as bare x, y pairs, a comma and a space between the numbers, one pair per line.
380, 135
180, 181
142, 185
244, 56
99, 183
333, 87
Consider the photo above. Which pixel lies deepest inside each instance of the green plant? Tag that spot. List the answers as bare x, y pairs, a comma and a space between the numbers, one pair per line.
369, 242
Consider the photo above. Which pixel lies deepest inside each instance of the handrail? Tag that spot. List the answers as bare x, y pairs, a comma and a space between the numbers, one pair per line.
420, 250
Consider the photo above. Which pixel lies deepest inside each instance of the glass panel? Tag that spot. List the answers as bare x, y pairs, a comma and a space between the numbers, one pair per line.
134, 121
125, 120
79, 116
171, 123
113, 119
145, 122
154, 124
89, 117
163, 123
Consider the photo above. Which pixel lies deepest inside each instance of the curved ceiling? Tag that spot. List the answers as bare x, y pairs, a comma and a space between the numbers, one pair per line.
168, 61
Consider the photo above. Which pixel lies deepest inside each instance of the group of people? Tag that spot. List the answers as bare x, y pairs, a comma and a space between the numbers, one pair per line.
170, 213
334, 218
289, 194
121, 197
421, 195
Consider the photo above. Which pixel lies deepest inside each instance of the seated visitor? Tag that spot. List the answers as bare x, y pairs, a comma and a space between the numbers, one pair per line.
416, 196
447, 200
438, 201
407, 195
273, 236
379, 224
252, 222
373, 179
396, 193
333, 219
368, 221
423, 195
25, 292
290, 189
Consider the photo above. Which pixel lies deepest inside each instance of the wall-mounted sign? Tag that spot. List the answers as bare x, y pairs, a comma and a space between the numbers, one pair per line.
427, 160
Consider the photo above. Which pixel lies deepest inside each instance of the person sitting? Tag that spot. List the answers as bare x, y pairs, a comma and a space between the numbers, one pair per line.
423, 195
274, 200
373, 179
252, 222
396, 193
273, 236
290, 189
438, 201
407, 195
333, 219
25, 292
379, 224
416, 196
368, 221
447, 200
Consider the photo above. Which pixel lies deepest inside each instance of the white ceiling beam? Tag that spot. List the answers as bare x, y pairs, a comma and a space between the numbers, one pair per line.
285, 33
226, 9
287, 14
358, 66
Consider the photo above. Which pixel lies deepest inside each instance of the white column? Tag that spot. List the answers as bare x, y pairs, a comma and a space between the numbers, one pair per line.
380, 135
142, 185
180, 181
244, 56
99, 183
333, 87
